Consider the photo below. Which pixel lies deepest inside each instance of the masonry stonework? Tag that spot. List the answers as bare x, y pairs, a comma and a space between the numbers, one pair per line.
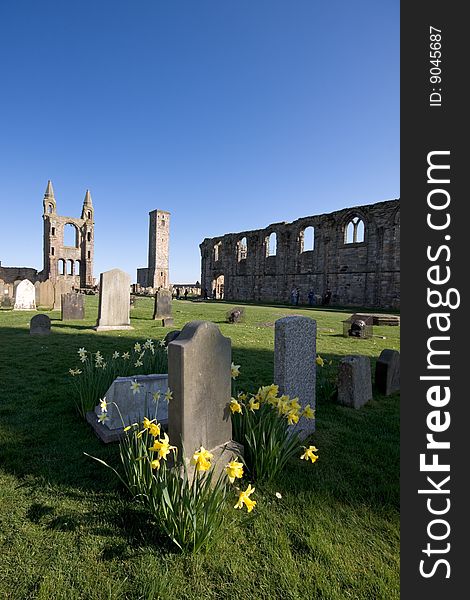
156, 275
354, 253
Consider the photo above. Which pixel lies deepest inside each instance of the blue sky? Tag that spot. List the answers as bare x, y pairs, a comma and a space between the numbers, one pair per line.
230, 114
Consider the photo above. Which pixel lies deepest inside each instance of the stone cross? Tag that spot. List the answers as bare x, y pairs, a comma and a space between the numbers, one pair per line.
40, 325
25, 296
294, 363
113, 308
387, 372
354, 381
73, 307
199, 376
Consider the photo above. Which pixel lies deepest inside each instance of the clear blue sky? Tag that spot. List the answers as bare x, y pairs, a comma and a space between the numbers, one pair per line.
230, 114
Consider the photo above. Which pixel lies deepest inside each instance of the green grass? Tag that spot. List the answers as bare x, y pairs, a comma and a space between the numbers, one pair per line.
68, 530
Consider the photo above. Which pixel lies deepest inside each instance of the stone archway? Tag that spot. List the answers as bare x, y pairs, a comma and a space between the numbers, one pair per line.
218, 291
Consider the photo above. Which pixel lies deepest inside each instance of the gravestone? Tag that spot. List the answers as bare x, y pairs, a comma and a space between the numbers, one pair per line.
162, 308
113, 309
354, 381
387, 372
62, 286
294, 363
199, 375
40, 325
124, 407
25, 296
73, 307
168, 322
171, 335
45, 293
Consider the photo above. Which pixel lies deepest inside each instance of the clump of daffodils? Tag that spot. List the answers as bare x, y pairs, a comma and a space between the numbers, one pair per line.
264, 423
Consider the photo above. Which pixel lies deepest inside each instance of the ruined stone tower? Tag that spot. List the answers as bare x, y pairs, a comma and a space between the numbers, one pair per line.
68, 243
156, 275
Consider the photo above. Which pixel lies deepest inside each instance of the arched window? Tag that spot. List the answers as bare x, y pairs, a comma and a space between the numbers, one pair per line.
88, 236
70, 235
241, 249
77, 267
354, 231
217, 249
271, 244
307, 240
49, 208
70, 267
61, 266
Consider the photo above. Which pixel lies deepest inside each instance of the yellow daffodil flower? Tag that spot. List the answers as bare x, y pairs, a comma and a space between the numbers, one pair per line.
294, 404
308, 412
234, 469
156, 396
137, 347
201, 458
292, 417
243, 499
103, 417
253, 405
115, 354
126, 356
319, 360
235, 406
155, 464
103, 405
309, 454
234, 371
162, 447
168, 395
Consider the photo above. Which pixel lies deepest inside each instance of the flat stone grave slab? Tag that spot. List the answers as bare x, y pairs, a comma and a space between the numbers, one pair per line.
125, 407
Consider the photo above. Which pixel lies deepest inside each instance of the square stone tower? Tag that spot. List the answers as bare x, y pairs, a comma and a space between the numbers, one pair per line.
156, 275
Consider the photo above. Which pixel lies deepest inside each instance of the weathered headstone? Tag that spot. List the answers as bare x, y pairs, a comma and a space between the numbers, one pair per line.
125, 407
387, 372
171, 335
113, 309
162, 308
44, 293
354, 381
40, 325
62, 286
294, 363
168, 322
73, 307
199, 376
25, 296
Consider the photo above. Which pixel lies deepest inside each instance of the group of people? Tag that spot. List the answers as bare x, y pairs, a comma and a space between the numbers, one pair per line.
312, 300
178, 294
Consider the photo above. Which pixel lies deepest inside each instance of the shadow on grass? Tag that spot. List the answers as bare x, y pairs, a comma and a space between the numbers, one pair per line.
43, 440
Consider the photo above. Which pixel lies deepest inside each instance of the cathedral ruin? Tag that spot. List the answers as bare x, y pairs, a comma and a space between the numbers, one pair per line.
68, 244
354, 254
157, 275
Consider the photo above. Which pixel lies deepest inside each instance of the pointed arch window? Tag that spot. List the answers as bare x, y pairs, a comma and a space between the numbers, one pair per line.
354, 231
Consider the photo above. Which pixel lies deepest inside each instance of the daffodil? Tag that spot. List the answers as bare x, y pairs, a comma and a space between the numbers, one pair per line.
292, 417
125, 355
148, 344
162, 343
234, 469
235, 406
135, 387
309, 454
308, 412
253, 405
162, 447
116, 354
234, 370
82, 354
75, 372
168, 395
102, 417
137, 347
319, 360
278, 495
103, 405
268, 393
201, 458
156, 396
155, 464
138, 363
243, 499
294, 404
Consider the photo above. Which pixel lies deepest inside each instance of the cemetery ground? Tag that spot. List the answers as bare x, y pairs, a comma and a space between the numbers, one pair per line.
68, 529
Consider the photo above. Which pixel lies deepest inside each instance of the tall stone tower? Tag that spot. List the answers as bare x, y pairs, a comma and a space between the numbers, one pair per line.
157, 274
68, 243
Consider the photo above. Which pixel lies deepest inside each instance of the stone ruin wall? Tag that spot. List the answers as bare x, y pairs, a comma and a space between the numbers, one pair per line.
365, 273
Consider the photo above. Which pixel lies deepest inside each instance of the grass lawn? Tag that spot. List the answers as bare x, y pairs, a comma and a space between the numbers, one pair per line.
69, 531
